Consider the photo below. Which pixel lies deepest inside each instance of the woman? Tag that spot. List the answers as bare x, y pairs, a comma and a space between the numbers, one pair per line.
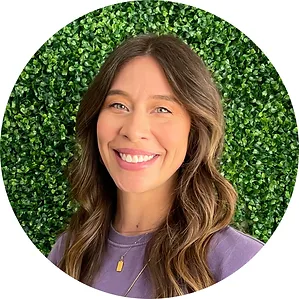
154, 210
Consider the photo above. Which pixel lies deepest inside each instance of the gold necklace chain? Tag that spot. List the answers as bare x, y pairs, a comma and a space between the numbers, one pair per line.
136, 278
120, 263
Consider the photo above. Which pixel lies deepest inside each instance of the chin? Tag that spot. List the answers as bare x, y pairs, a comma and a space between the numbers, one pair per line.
133, 187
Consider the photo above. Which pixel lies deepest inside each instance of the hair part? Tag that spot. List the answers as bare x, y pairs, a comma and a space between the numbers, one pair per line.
204, 200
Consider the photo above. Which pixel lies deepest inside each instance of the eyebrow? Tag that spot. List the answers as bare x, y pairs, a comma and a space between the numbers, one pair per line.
157, 96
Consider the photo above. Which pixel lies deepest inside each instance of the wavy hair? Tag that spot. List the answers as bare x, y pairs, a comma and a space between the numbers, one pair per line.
204, 200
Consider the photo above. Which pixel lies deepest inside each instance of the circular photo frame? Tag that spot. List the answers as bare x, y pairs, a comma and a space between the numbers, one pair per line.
260, 157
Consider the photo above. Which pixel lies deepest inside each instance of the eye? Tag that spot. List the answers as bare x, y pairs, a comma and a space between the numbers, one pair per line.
162, 110
119, 106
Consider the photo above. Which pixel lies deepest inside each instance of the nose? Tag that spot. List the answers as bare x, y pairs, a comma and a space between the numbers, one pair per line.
135, 127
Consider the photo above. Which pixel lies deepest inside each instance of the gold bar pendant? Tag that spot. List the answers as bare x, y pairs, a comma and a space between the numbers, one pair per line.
120, 265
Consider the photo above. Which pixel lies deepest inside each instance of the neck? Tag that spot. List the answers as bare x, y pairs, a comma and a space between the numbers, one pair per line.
139, 213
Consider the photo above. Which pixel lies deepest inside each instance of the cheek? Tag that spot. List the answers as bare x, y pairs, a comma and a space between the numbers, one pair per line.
105, 130
174, 137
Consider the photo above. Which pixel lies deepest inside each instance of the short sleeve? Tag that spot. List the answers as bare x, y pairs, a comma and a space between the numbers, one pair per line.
231, 249
57, 250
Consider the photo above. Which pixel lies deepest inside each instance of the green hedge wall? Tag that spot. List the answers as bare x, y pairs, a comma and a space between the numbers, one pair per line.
261, 151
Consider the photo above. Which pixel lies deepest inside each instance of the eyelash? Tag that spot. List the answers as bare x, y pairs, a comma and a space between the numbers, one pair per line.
164, 109
119, 104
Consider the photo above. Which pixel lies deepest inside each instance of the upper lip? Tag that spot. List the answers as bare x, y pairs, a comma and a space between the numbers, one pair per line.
133, 151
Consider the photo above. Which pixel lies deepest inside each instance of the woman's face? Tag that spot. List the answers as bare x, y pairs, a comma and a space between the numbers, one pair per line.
142, 131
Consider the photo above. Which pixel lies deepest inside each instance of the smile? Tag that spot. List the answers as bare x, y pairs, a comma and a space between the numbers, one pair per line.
135, 158
134, 161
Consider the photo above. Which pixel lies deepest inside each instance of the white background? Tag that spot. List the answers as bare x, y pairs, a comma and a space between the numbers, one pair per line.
26, 25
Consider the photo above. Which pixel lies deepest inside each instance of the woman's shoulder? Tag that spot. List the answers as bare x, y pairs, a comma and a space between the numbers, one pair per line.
229, 250
57, 250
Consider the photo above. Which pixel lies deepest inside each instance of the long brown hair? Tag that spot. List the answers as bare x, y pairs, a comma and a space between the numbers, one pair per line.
204, 200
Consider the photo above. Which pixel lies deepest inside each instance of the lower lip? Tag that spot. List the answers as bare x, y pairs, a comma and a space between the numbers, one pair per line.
134, 166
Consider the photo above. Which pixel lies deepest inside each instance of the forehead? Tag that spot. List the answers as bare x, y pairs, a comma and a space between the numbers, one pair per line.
142, 75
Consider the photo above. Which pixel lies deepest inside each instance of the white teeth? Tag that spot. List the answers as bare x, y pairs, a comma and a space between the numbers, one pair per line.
135, 158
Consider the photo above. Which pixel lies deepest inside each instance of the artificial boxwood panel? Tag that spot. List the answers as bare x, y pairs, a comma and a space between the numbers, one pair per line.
261, 150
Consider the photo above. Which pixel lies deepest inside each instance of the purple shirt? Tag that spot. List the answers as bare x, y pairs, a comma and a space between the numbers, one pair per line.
229, 251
